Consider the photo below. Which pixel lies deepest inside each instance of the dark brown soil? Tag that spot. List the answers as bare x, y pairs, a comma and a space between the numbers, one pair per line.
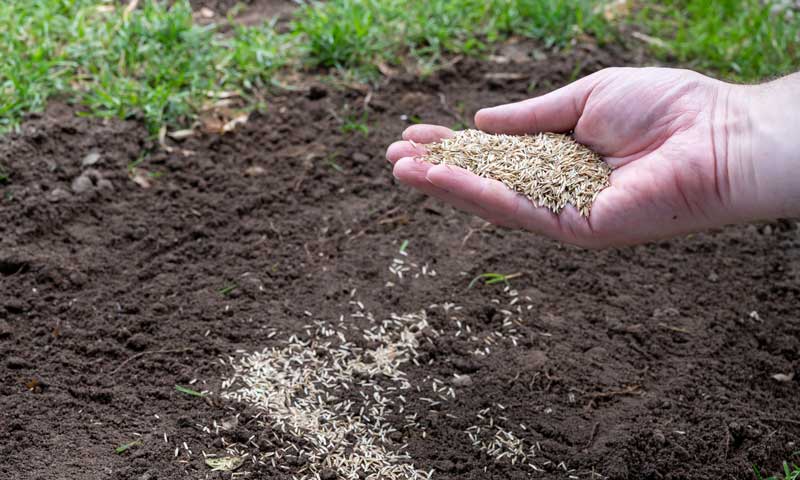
651, 362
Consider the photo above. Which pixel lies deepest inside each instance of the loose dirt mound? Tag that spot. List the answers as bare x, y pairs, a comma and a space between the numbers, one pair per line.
646, 362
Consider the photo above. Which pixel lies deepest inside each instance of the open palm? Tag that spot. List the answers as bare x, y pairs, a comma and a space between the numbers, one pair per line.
658, 129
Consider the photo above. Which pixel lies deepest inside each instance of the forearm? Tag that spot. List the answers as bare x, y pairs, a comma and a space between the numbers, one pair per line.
764, 148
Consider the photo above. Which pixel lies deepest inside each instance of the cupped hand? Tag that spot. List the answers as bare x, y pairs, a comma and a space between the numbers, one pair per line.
665, 132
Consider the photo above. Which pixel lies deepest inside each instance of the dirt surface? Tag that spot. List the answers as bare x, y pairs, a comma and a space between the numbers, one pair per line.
652, 362
249, 12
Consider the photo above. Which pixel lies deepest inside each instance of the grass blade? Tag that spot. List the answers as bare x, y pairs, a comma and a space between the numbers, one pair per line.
188, 391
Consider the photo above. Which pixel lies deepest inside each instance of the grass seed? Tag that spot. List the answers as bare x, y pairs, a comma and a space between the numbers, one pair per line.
552, 170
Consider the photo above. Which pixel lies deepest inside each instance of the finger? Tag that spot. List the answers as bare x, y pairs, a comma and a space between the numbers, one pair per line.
557, 111
413, 172
423, 133
402, 149
503, 206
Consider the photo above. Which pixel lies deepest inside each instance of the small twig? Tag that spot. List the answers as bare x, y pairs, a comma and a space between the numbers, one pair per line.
780, 420
632, 390
357, 235
367, 99
401, 219
149, 352
129, 9
472, 231
592, 435
674, 329
657, 42
307, 167
513, 380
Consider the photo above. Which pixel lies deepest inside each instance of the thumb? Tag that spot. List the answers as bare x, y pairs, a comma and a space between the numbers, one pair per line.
557, 111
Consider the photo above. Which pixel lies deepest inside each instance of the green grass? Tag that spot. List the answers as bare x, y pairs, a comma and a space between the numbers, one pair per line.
225, 291
155, 63
357, 34
188, 391
356, 124
790, 472
738, 39
492, 278
125, 447
158, 65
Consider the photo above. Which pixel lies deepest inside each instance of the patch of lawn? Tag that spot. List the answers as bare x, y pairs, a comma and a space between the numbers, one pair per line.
154, 62
358, 34
745, 40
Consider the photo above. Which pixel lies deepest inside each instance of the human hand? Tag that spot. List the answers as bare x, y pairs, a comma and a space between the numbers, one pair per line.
679, 143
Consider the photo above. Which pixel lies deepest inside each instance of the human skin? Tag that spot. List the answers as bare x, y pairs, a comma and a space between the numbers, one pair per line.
689, 153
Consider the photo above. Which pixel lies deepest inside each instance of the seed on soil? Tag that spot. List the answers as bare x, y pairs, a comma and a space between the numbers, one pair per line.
552, 170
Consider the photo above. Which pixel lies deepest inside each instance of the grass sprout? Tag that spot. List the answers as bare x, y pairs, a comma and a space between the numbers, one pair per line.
127, 446
355, 124
790, 472
335, 166
403, 246
188, 391
492, 278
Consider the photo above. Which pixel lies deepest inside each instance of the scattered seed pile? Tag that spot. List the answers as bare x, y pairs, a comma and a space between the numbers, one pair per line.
302, 386
333, 409
551, 169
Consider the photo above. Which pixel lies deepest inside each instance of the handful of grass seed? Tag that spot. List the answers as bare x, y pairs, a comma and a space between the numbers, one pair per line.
551, 169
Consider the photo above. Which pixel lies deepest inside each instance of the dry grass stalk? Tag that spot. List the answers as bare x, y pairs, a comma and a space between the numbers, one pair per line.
551, 169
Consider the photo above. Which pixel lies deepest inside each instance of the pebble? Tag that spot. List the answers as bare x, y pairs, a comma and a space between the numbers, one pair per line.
78, 278
535, 359
360, 157
90, 159
16, 363
254, 171
88, 180
82, 184
465, 365
462, 381
137, 342
58, 194
596, 353
148, 476
659, 438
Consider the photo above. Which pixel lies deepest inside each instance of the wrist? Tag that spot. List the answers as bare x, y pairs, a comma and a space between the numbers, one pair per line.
763, 148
